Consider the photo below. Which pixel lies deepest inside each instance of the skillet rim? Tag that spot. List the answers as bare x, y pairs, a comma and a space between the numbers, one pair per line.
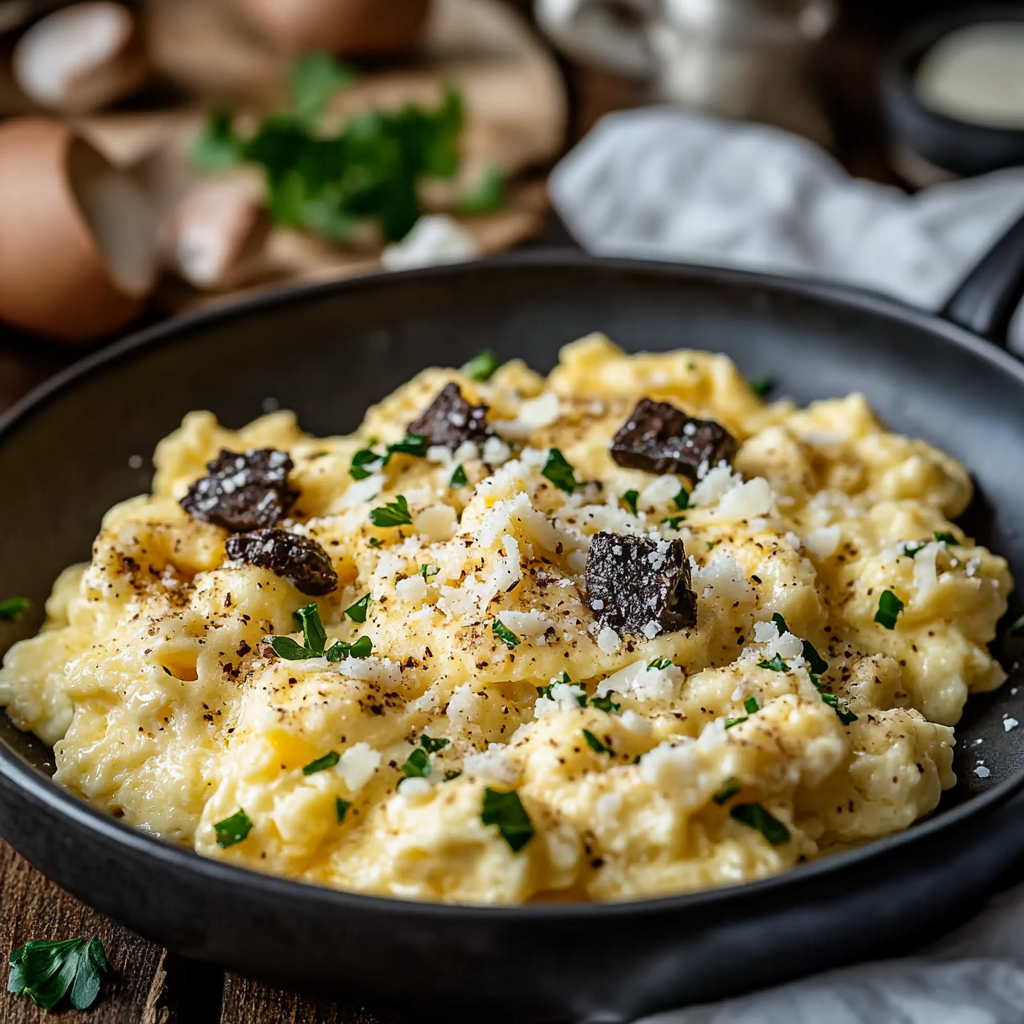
42, 790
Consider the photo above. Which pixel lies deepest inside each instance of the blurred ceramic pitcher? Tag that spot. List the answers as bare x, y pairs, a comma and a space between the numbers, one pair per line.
733, 58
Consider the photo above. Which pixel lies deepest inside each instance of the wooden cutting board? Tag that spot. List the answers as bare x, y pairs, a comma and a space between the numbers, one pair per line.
516, 112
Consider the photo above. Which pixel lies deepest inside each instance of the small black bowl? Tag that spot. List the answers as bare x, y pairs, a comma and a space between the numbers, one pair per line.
958, 148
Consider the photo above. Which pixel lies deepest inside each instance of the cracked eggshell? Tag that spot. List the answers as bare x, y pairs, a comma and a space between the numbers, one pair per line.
77, 236
339, 26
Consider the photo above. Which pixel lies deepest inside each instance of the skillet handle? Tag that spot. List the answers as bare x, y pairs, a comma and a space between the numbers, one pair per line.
988, 297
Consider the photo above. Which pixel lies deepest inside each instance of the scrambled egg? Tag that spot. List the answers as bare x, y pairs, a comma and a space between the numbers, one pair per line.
641, 766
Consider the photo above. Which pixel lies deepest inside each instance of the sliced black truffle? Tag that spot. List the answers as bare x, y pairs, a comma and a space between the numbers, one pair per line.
243, 492
660, 438
299, 560
640, 586
451, 420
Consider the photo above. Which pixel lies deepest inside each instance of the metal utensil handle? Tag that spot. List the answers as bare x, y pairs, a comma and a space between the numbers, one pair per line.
990, 294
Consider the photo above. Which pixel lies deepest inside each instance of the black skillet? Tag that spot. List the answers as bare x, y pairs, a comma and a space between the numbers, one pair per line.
328, 351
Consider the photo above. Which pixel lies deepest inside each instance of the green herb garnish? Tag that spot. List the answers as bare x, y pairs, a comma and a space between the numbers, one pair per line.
341, 808
751, 706
913, 547
504, 634
285, 647
682, 499
629, 499
726, 791
846, 716
364, 458
12, 609
375, 542
459, 478
233, 830
660, 664
46, 971
482, 366
411, 444
314, 636
945, 537
595, 744
314, 79
357, 612
559, 472
761, 386
329, 760
756, 817
359, 648
889, 608
776, 664
780, 623
816, 664
427, 570
452, 773
730, 722
394, 513
487, 195
604, 704
314, 639
417, 766
507, 812
432, 746
673, 522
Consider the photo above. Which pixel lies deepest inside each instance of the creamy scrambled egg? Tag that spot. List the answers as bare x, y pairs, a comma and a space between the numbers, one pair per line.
640, 766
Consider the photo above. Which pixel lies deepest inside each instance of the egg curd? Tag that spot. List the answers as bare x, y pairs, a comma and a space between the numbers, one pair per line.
499, 744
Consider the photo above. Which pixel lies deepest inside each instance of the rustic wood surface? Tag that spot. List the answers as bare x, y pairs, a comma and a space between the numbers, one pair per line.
148, 985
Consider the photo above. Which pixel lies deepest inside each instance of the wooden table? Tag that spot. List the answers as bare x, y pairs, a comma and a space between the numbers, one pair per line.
148, 985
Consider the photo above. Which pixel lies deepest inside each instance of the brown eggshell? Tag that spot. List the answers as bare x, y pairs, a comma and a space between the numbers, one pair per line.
55, 278
81, 57
355, 27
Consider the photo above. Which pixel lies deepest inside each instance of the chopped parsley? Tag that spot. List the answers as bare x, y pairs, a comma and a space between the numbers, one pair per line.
730, 722
341, 808
411, 444
359, 648
364, 463
757, 817
504, 634
726, 791
427, 570
452, 773
233, 830
482, 366
711, 544
314, 639
660, 664
682, 499
846, 716
776, 664
604, 704
46, 971
913, 547
889, 608
559, 472
751, 706
394, 513
459, 478
780, 623
507, 812
357, 612
945, 537
432, 746
673, 522
13, 608
285, 647
375, 542
816, 664
761, 386
314, 636
329, 760
417, 766
595, 744
629, 499
487, 195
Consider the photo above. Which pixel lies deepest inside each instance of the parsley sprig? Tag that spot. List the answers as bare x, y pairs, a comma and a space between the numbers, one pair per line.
314, 638
46, 971
367, 461
558, 470
506, 810
889, 608
392, 513
757, 817
504, 634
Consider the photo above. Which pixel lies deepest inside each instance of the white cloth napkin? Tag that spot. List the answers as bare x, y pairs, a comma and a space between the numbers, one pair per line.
663, 184
660, 183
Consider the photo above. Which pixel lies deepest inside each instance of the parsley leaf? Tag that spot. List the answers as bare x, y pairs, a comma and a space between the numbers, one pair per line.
411, 444
394, 513
504, 634
313, 633
452, 773
432, 746
889, 608
359, 648
757, 817
674, 521
46, 971
507, 812
341, 808
913, 547
13, 608
945, 537
357, 612
285, 647
595, 744
780, 623
482, 366
365, 457
417, 766
314, 79
427, 570
659, 663
487, 195
682, 499
776, 664
751, 706
816, 664
604, 704
629, 499
761, 386
459, 478
216, 148
730, 722
559, 472
846, 716
233, 830
727, 790
375, 542
329, 760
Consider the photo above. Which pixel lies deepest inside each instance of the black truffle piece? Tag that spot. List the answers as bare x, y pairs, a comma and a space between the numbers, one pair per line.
299, 560
633, 582
451, 420
243, 492
660, 438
